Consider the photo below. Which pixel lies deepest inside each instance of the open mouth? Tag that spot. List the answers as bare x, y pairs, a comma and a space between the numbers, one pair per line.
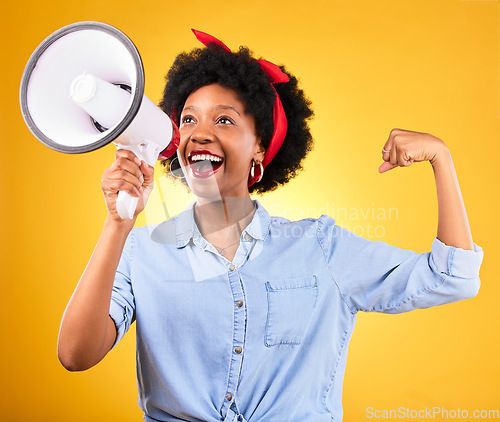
204, 163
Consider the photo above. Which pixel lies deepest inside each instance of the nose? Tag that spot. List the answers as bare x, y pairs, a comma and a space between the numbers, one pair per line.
202, 133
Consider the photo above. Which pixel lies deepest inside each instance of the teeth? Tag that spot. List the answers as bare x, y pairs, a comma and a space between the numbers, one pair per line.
201, 157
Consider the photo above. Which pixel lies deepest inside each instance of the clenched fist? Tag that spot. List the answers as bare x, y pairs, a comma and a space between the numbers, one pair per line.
129, 174
404, 147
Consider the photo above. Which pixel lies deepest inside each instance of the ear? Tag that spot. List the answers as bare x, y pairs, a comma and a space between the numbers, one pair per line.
260, 151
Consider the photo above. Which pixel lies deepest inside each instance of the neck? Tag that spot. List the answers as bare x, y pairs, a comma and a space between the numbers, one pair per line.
228, 215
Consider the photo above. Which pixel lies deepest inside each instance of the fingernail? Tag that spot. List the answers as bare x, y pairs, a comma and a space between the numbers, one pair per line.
137, 161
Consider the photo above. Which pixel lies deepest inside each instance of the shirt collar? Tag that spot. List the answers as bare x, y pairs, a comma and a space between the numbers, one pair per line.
186, 229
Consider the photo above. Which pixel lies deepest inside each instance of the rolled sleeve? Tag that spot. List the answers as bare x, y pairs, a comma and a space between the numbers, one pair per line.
373, 276
122, 306
456, 262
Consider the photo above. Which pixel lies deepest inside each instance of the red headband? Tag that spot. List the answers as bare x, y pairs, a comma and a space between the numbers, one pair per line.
274, 75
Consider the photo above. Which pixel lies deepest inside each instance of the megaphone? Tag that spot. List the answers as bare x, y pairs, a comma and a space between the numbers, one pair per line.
83, 87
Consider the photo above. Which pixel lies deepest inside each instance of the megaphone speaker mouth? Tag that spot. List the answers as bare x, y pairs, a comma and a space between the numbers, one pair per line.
94, 48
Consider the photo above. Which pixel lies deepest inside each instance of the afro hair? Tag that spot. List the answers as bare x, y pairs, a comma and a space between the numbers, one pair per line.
241, 72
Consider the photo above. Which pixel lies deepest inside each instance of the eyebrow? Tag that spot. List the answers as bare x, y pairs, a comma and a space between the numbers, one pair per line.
226, 107
219, 107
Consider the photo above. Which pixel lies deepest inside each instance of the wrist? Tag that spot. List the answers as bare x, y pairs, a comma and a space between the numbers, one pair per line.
442, 156
119, 226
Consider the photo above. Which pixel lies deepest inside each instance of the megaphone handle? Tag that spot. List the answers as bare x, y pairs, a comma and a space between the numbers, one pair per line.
126, 205
146, 151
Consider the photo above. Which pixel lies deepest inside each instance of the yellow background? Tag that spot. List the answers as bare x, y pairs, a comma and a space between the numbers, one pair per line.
368, 66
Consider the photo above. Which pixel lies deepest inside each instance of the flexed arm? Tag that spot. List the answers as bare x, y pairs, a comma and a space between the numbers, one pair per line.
405, 147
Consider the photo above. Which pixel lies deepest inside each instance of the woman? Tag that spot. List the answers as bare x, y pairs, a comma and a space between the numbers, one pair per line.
242, 316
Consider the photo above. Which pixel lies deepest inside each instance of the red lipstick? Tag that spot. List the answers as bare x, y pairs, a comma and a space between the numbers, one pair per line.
204, 163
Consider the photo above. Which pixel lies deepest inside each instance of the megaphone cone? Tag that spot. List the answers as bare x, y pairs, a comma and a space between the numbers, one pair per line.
83, 87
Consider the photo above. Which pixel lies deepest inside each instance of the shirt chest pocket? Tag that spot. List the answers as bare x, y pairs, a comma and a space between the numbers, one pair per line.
291, 303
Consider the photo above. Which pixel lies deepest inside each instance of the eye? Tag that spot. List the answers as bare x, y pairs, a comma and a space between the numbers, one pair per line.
187, 119
224, 120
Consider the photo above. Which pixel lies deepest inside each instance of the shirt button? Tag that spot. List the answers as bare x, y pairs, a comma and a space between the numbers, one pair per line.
231, 268
229, 397
246, 237
238, 350
239, 304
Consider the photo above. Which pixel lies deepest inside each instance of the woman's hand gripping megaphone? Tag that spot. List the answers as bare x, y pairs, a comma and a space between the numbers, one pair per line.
127, 175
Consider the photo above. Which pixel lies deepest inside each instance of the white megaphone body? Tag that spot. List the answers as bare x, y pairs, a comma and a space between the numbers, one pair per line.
83, 87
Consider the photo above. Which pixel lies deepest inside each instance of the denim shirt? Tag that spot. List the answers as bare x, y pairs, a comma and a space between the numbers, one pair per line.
265, 337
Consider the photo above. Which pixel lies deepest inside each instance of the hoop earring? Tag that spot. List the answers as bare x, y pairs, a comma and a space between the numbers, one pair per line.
252, 172
173, 172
